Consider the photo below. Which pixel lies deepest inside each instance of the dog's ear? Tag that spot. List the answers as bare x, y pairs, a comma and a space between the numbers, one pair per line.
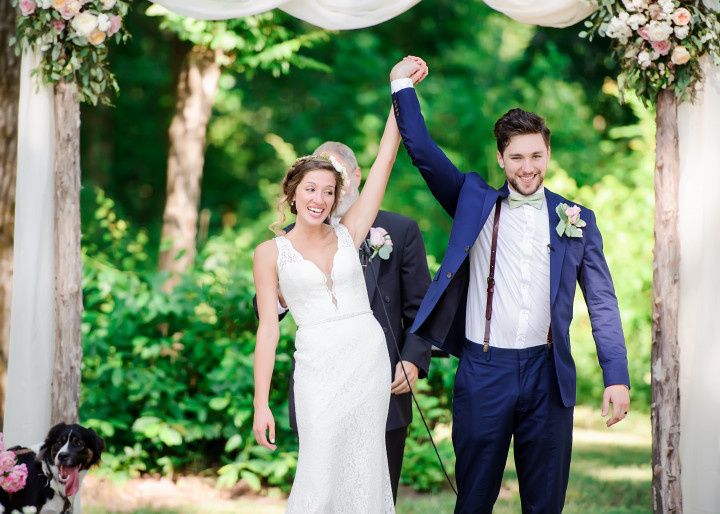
96, 444
52, 436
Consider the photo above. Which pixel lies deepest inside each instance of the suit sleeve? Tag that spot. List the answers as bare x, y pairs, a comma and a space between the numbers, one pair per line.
597, 287
441, 175
414, 282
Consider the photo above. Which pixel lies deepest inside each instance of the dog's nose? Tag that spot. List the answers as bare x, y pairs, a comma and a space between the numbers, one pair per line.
62, 456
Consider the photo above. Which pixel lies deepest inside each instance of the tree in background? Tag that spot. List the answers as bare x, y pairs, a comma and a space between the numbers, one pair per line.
9, 92
258, 42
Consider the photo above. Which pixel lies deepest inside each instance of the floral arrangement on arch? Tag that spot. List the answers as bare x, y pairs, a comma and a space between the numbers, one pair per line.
72, 38
658, 43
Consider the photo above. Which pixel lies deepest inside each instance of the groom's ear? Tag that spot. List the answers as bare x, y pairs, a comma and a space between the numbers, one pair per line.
500, 160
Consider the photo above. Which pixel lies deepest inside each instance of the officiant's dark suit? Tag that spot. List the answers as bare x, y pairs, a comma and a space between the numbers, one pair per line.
402, 281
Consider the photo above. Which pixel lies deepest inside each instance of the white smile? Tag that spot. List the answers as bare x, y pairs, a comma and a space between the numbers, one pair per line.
315, 210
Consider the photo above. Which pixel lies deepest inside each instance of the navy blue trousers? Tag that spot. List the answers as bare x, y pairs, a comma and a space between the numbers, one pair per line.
504, 394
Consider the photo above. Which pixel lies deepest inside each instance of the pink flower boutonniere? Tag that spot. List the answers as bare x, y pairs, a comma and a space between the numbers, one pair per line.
570, 223
380, 243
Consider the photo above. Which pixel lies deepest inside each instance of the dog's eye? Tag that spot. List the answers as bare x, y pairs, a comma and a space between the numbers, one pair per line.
76, 441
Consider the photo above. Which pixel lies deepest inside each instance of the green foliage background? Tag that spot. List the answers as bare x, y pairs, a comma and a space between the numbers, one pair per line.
167, 379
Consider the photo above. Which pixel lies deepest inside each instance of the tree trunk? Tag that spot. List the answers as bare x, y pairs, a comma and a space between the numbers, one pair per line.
68, 265
667, 494
9, 93
196, 91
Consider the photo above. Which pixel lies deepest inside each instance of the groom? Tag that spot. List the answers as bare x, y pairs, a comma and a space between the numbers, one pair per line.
502, 302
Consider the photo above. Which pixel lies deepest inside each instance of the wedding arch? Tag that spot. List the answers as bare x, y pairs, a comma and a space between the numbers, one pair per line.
47, 292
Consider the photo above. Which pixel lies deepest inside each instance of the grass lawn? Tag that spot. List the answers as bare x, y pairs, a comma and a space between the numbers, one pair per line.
610, 474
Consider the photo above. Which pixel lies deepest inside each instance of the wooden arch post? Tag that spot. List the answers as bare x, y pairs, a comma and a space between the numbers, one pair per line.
665, 356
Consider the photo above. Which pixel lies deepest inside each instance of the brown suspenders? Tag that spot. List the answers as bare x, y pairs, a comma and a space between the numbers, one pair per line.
491, 280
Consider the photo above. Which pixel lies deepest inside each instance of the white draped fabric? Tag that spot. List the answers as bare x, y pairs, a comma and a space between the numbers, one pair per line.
548, 13
32, 324
27, 408
699, 224
328, 14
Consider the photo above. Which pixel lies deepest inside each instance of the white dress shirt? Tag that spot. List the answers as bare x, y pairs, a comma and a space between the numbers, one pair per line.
521, 301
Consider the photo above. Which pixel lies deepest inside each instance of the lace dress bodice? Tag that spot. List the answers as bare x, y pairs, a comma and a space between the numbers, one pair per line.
314, 297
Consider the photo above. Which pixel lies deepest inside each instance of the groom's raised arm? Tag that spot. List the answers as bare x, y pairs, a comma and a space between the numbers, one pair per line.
442, 176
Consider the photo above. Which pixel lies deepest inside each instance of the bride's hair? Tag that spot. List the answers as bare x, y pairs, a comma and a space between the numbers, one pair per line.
292, 180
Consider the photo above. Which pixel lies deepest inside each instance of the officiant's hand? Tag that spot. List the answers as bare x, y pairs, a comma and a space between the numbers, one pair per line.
410, 67
619, 396
400, 385
264, 427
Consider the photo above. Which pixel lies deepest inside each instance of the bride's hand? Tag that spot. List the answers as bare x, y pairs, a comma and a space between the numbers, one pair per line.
264, 428
421, 72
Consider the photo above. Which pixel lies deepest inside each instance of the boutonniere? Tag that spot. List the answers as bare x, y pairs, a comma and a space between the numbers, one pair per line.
570, 223
380, 243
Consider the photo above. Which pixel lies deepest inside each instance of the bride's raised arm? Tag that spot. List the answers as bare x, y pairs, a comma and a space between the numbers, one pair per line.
362, 214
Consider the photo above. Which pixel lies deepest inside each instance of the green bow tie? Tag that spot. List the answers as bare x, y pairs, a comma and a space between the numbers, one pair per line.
534, 200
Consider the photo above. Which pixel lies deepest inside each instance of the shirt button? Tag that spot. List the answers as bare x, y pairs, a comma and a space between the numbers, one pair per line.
387, 299
449, 274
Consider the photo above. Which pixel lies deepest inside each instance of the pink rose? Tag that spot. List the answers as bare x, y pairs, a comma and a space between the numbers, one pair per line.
59, 25
661, 47
115, 24
15, 480
644, 33
377, 236
7, 461
27, 7
573, 214
681, 17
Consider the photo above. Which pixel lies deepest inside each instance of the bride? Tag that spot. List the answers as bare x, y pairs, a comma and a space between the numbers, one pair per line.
342, 370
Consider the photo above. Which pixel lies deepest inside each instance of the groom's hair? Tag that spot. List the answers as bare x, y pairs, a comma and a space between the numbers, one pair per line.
517, 122
346, 155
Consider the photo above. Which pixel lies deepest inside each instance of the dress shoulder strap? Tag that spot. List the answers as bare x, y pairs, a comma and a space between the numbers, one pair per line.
343, 236
285, 252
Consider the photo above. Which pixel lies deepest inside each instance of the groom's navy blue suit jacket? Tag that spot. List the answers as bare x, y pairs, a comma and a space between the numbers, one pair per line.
468, 199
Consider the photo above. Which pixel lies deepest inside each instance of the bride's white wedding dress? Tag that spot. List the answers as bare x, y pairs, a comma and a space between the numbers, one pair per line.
342, 385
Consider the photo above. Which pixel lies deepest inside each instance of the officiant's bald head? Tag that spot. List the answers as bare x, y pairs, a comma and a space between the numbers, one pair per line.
351, 189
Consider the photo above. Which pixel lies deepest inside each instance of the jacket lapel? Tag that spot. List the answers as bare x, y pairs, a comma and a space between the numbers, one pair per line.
558, 244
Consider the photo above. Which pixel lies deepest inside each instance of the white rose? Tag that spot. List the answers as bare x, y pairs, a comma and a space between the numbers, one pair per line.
644, 59
108, 4
636, 20
85, 23
103, 22
659, 30
44, 4
667, 6
617, 28
682, 32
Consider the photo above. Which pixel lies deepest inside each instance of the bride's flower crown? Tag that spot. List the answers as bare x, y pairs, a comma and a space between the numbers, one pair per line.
329, 158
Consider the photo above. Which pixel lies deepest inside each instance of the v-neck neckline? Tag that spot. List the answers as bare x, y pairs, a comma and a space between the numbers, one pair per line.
328, 276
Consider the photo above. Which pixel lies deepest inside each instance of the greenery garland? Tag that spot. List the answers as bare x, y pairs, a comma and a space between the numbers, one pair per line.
658, 43
72, 37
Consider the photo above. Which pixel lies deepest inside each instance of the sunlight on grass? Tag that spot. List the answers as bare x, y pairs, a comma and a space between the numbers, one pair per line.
610, 474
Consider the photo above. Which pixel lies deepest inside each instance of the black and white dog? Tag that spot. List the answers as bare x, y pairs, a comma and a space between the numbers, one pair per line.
55, 470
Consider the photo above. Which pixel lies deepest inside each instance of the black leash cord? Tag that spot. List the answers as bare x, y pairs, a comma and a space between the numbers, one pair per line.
365, 249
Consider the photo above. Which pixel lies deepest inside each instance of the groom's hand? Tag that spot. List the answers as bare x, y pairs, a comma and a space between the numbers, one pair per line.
400, 385
619, 396
410, 67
